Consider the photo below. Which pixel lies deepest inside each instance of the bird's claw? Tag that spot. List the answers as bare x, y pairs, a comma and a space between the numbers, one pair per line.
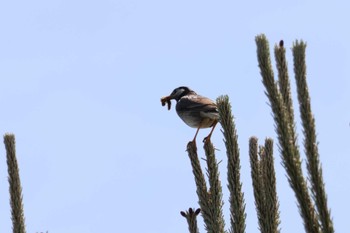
206, 139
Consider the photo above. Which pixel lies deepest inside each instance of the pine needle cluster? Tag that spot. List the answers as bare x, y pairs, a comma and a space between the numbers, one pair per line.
313, 208
18, 223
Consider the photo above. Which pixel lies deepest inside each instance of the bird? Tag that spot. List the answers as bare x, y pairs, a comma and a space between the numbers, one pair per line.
195, 110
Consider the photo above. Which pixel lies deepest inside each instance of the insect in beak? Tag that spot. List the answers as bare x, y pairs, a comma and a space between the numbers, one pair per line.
166, 100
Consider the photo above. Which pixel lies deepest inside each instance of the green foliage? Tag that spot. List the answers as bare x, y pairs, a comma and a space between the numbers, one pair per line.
264, 185
210, 200
18, 224
313, 210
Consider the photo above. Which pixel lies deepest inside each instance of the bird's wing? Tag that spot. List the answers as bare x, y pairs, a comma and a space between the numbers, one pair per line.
196, 103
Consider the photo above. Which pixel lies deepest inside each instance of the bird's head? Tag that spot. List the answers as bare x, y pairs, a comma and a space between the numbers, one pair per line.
180, 92
176, 94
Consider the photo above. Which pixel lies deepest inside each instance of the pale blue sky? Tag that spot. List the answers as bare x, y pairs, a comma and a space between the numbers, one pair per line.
80, 88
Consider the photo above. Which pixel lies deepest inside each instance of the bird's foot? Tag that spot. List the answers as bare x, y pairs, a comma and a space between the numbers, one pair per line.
207, 139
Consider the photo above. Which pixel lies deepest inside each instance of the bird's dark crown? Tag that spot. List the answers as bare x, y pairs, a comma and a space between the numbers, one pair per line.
180, 92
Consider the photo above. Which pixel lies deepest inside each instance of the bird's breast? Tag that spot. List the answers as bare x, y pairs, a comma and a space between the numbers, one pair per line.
195, 120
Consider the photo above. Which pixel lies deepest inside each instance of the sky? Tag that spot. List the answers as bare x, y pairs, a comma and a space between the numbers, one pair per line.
80, 87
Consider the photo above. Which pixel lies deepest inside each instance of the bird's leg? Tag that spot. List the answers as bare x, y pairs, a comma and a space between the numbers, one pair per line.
207, 138
194, 139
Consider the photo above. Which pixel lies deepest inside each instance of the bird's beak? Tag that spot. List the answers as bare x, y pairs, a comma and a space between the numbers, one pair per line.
166, 100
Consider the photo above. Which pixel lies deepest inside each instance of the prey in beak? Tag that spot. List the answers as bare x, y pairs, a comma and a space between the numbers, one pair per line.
166, 100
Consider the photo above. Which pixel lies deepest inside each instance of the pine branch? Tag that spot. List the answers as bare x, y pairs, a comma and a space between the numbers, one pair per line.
202, 191
259, 190
237, 205
191, 217
310, 143
18, 221
283, 80
215, 190
287, 144
264, 185
272, 213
